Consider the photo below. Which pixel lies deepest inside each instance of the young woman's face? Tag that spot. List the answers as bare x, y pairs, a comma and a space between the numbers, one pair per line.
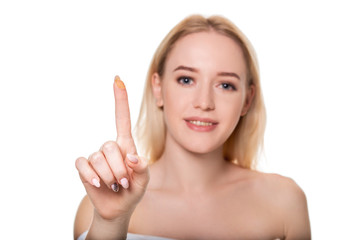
203, 91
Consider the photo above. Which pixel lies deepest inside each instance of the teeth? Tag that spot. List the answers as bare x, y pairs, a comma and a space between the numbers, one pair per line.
198, 123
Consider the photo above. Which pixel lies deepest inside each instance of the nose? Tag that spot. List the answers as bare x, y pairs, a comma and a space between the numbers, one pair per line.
204, 99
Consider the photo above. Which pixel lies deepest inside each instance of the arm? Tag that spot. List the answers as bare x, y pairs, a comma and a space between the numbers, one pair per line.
107, 208
108, 229
83, 217
88, 220
297, 223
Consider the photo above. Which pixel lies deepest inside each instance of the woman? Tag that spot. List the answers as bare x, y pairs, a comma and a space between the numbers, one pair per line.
201, 125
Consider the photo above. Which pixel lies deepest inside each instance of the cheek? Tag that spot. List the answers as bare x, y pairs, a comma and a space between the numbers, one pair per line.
230, 111
174, 103
170, 98
175, 98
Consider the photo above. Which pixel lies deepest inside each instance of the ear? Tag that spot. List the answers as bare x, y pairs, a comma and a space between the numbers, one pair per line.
250, 93
156, 88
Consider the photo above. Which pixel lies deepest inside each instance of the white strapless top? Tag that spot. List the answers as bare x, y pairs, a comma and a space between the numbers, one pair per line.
132, 236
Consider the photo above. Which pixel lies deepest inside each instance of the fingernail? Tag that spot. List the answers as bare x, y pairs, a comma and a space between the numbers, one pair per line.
119, 83
132, 158
124, 182
95, 182
115, 187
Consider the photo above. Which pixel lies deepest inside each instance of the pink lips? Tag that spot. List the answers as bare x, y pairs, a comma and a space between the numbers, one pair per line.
201, 124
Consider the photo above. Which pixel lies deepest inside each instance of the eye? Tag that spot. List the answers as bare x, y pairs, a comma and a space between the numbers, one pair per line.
185, 80
227, 86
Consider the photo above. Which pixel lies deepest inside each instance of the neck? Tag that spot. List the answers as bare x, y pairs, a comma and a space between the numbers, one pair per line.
190, 172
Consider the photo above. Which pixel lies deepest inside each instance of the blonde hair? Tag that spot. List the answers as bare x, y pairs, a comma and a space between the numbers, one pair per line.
243, 145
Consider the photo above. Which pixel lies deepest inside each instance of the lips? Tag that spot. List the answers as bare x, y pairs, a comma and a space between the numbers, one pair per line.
201, 124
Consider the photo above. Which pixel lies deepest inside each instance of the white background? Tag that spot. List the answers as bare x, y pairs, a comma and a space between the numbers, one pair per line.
57, 64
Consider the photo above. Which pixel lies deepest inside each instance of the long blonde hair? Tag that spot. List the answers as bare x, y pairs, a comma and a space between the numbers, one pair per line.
244, 144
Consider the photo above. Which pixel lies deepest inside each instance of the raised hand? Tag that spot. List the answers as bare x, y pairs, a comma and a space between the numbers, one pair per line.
115, 177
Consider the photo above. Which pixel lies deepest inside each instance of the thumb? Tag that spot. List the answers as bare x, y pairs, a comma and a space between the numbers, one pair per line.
140, 168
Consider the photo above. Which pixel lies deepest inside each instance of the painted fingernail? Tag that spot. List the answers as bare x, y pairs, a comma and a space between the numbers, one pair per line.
124, 182
115, 187
96, 182
132, 158
119, 83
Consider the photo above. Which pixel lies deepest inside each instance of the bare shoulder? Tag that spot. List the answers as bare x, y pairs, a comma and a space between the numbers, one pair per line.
274, 189
279, 190
264, 181
276, 201
287, 197
281, 187
83, 217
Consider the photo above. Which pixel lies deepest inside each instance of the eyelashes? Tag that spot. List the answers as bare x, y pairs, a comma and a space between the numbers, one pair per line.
228, 86
188, 81
185, 80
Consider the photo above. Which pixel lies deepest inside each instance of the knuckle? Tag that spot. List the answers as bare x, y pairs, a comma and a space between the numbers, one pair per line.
125, 137
96, 158
128, 144
78, 162
109, 146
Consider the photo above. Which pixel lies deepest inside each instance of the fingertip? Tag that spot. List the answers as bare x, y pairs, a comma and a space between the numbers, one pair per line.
95, 182
137, 163
86, 173
79, 162
120, 84
132, 158
115, 187
124, 183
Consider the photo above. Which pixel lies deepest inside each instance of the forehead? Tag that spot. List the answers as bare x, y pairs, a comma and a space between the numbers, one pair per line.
207, 50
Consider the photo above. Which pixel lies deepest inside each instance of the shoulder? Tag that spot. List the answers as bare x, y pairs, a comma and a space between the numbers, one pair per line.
277, 189
276, 201
289, 200
267, 182
278, 185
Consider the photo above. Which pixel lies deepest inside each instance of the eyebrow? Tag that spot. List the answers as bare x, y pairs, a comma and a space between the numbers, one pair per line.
229, 74
181, 67
191, 69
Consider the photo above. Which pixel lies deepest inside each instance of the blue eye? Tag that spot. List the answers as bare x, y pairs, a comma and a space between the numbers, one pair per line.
185, 80
228, 86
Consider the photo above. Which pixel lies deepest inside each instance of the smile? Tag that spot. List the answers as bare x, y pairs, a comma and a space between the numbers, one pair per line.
199, 123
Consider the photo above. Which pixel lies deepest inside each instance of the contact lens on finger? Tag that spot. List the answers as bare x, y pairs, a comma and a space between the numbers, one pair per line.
119, 83
115, 187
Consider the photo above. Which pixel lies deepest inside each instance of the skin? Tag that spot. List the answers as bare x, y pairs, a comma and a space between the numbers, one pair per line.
192, 193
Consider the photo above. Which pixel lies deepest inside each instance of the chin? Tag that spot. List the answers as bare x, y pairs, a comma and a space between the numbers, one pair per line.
202, 147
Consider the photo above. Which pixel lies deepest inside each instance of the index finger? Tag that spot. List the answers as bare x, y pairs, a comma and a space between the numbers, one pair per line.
122, 112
